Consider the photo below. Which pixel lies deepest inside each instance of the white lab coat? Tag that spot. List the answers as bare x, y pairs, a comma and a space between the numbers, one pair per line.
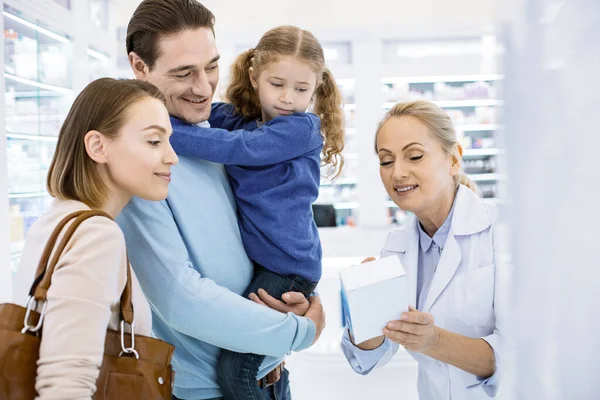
464, 296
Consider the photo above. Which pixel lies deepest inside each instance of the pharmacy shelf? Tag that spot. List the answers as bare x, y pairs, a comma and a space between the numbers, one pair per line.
489, 200
478, 127
442, 79
32, 30
20, 136
350, 205
481, 152
339, 205
25, 195
340, 182
34, 94
486, 177
35, 84
456, 103
36, 117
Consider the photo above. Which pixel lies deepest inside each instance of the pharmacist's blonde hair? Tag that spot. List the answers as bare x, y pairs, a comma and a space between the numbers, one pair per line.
440, 128
102, 106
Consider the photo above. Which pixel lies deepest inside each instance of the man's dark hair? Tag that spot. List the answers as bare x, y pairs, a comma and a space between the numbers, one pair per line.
155, 19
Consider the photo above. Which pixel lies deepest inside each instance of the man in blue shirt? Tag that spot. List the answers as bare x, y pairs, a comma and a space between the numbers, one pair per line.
186, 251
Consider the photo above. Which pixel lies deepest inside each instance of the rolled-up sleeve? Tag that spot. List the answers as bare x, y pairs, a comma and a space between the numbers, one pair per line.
364, 361
490, 385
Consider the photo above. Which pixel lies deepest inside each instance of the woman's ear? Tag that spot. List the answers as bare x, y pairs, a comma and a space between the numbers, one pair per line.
96, 146
456, 162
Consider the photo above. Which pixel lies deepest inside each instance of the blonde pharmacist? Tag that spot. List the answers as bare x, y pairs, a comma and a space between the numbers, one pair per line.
450, 258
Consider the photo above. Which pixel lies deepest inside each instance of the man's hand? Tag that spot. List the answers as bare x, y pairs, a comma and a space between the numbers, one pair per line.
317, 315
293, 302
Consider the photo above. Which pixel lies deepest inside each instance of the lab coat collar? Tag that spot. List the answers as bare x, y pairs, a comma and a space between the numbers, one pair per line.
470, 217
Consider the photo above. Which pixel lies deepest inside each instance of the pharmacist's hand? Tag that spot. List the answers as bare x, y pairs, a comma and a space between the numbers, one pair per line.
368, 259
416, 331
293, 302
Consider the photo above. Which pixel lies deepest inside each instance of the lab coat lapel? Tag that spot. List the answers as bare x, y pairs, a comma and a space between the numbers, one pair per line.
405, 245
449, 261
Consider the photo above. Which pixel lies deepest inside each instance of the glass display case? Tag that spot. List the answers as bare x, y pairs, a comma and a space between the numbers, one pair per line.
37, 96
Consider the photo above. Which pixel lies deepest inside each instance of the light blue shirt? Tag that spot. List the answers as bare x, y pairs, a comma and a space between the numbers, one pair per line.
188, 256
430, 250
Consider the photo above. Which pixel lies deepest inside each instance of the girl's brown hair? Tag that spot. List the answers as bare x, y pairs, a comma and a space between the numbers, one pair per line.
102, 106
293, 41
440, 127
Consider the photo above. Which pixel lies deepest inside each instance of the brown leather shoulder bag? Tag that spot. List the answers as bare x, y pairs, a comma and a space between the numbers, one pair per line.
133, 366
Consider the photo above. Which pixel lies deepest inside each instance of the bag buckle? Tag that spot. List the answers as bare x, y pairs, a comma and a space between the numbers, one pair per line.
32, 304
128, 350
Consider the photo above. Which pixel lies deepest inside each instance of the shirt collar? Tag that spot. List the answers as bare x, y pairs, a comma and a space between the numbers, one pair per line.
440, 236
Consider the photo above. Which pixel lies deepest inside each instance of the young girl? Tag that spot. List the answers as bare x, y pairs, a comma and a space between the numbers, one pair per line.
275, 176
114, 144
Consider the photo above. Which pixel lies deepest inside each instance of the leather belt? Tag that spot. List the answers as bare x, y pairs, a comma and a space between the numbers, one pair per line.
272, 377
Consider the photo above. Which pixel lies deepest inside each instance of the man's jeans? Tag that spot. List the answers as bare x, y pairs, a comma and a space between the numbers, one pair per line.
237, 372
279, 391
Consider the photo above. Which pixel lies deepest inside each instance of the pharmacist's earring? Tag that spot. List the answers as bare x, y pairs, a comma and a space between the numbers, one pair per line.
95, 146
254, 88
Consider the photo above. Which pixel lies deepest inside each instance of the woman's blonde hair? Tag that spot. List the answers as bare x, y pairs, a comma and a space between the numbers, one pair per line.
292, 41
440, 127
102, 106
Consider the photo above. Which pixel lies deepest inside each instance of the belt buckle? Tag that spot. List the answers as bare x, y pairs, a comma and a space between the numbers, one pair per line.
277, 371
264, 382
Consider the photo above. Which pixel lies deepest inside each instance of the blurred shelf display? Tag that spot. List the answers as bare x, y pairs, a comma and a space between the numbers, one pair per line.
39, 80
442, 79
472, 103
36, 99
450, 103
342, 191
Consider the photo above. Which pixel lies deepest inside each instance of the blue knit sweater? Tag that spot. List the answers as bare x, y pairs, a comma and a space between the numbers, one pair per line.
274, 172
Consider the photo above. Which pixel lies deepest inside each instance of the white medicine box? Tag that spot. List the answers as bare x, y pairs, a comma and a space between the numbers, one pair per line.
373, 294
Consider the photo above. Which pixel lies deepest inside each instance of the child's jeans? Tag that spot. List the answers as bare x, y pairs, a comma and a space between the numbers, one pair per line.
237, 372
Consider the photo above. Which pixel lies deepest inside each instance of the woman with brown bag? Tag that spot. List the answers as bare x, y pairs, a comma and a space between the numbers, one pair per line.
113, 145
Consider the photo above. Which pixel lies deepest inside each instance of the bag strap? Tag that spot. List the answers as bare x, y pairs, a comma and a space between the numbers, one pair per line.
41, 269
44, 272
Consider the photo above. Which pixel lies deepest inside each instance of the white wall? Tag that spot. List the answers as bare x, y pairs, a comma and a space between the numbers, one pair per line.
552, 147
415, 19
